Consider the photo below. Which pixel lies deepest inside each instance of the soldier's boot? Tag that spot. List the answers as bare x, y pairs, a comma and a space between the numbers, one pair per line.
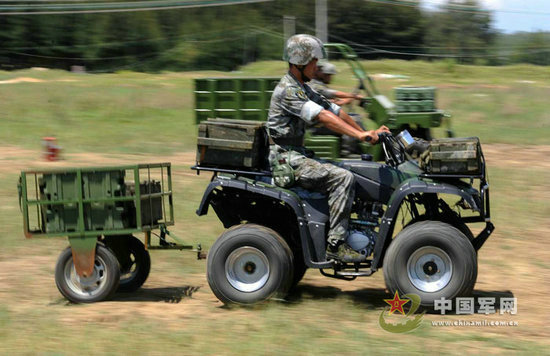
344, 253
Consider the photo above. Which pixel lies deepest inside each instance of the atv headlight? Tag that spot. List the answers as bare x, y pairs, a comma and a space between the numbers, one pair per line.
405, 138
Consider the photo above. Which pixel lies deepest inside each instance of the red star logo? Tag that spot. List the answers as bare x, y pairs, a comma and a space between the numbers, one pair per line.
396, 303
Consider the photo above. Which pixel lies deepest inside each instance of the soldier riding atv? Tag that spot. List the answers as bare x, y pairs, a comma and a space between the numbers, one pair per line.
286, 212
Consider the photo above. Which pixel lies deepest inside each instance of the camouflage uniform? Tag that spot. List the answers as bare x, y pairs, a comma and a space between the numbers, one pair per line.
322, 88
293, 107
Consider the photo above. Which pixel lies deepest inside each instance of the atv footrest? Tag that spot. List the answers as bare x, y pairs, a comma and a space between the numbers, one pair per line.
354, 274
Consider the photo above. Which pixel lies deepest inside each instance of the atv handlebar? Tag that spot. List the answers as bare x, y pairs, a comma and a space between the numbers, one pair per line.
393, 149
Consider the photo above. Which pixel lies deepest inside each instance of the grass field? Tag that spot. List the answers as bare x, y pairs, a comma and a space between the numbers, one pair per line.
132, 117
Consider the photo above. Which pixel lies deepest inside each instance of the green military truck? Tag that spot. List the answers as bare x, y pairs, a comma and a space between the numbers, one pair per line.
248, 98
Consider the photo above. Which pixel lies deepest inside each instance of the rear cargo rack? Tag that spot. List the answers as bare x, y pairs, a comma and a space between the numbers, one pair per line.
231, 171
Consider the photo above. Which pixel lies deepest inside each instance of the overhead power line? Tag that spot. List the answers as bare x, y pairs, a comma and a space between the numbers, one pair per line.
188, 36
458, 7
237, 36
448, 7
105, 7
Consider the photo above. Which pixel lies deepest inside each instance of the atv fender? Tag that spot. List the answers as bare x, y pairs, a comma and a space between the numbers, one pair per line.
412, 186
311, 216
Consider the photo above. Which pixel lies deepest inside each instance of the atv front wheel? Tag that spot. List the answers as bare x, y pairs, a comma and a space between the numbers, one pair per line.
249, 264
431, 259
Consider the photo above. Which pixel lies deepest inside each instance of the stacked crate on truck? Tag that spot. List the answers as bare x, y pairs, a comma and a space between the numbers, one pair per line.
248, 99
233, 98
415, 99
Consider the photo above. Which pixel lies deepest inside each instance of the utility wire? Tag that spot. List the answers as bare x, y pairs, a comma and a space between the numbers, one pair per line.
434, 55
149, 54
375, 50
192, 36
90, 8
458, 7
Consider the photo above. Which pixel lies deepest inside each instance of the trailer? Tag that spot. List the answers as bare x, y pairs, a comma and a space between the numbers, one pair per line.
100, 210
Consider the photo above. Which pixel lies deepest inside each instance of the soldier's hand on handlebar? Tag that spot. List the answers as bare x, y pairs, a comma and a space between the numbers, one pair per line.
383, 128
369, 136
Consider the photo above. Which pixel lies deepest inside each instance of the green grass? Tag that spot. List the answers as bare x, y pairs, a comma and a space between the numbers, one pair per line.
151, 114
145, 113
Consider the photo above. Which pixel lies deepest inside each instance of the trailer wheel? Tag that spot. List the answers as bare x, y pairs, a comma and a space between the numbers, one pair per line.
99, 286
135, 263
249, 264
431, 259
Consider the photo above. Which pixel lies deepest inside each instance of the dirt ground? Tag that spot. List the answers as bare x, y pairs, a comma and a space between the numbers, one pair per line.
502, 272
14, 159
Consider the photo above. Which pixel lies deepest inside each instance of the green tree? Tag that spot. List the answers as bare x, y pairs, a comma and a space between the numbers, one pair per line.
461, 28
535, 49
387, 29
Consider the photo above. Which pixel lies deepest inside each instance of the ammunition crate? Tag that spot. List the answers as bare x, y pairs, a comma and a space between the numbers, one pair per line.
460, 156
414, 93
104, 216
98, 216
233, 98
415, 99
64, 186
414, 105
151, 207
232, 143
324, 146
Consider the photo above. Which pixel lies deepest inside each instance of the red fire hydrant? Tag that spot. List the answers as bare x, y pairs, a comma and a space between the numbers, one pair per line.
51, 148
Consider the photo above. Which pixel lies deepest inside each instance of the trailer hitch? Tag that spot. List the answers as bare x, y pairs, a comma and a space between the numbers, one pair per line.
168, 245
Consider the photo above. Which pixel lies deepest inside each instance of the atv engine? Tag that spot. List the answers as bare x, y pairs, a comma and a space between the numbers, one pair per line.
361, 234
362, 240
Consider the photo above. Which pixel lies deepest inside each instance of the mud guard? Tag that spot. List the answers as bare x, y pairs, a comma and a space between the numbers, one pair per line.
310, 229
83, 249
412, 186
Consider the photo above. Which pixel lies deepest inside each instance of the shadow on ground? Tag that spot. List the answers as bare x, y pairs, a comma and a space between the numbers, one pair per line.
373, 298
167, 295
368, 297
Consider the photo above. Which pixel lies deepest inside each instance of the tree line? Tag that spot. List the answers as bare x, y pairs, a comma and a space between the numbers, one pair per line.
226, 37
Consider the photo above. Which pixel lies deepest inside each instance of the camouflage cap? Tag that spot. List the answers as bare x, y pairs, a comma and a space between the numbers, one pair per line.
327, 68
301, 49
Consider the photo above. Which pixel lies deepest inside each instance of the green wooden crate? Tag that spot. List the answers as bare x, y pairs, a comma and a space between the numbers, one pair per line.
415, 105
414, 93
233, 98
232, 144
324, 146
104, 216
151, 207
63, 186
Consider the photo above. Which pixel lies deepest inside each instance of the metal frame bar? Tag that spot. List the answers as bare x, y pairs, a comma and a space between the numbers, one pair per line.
231, 171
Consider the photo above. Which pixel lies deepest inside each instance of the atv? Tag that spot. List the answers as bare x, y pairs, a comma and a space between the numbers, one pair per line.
403, 221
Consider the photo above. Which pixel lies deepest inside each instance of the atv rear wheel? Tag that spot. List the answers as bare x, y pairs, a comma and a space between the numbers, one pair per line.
431, 259
249, 264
